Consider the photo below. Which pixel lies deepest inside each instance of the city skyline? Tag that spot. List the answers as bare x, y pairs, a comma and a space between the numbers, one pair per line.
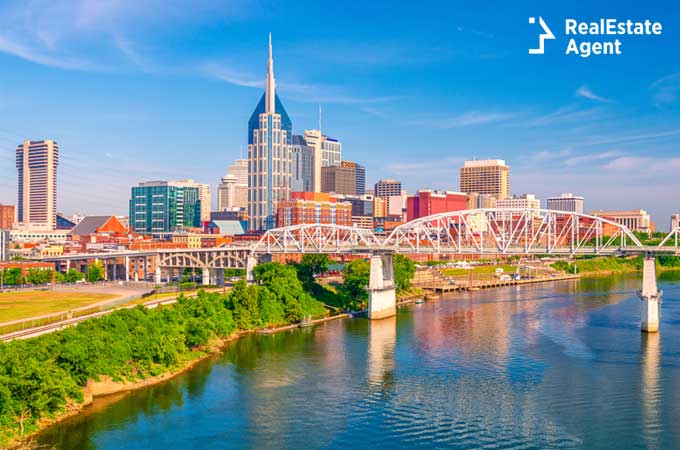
411, 106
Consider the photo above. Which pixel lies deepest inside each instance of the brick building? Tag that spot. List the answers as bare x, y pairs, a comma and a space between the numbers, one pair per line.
313, 207
428, 202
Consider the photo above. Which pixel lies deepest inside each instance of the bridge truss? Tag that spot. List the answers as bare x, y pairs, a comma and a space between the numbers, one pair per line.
318, 238
513, 231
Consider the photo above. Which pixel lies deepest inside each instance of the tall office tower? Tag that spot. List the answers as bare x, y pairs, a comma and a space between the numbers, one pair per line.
327, 152
164, 206
240, 170
205, 199
359, 176
203, 196
387, 188
338, 179
302, 165
36, 163
269, 141
231, 194
566, 202
489, 176
4, 245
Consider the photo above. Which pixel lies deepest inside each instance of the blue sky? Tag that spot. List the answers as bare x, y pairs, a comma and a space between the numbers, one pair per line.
162, 89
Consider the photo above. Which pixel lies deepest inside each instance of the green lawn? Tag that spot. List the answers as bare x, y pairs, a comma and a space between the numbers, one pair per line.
22, 305
478, 270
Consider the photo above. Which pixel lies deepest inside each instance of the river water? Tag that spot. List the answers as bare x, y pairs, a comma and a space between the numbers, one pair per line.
554, 365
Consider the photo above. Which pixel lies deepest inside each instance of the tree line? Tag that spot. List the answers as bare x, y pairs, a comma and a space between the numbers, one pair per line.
40, 376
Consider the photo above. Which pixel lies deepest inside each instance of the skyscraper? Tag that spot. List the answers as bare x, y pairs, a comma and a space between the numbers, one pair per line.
491, 176
231, 194
269, 160
302, 167
338, 179
164, 206
36, 163
327, 152
566, 202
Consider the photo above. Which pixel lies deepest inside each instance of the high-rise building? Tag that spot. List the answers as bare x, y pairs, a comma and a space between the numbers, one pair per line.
387, 188
232, 191
231, 194
327, 152
36, 163
490, 176
164, 206
427, 202
302, 165
359, 176
566, 202
269, 141
338, 179
6, 216
204, 198
675, 221
313, 207
4, 245
634, 220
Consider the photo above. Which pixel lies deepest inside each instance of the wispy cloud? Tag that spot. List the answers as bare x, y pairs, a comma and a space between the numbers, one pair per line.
22, 51
568, 114
666, 90
586, 93
466, 119
591, 157
644, 165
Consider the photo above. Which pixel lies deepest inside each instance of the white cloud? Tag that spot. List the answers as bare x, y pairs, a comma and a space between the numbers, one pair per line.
591, 157
466, 119
568, 114
643, 166
586, 93
666, 90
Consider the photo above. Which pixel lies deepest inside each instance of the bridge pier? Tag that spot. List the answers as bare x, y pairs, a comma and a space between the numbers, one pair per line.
251, 262
382, 292
650, 296
205, 273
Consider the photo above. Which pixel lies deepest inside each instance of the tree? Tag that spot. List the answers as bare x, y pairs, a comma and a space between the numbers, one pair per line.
72, 276
356, 275
244, 302
312, 264
404, 270
95, 272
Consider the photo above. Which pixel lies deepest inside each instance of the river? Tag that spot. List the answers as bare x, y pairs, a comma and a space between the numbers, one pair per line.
553, 365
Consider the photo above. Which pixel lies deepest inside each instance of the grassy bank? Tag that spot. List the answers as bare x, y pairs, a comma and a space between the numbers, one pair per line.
25, 304
42, 379
613, 264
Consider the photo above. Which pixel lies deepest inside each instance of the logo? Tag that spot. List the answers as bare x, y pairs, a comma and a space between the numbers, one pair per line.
547, 34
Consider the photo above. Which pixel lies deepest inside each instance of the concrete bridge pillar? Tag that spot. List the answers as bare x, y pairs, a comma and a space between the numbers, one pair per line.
251, 262
127, 268
219, 277
650, 296
206, 276
382, 292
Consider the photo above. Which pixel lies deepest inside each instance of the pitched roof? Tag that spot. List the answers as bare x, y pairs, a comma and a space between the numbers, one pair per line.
229, 227
89, 225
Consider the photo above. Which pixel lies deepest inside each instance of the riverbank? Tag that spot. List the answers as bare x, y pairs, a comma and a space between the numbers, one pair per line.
106, 386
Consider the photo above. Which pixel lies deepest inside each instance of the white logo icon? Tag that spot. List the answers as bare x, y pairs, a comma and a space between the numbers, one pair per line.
547, 34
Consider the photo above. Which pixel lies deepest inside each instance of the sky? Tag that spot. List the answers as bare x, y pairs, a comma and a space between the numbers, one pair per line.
138, 90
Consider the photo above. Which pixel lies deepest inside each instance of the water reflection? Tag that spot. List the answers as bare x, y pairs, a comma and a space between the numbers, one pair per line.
560, 365
651, 392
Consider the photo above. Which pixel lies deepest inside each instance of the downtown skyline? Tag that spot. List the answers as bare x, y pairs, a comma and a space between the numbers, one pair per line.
172, 101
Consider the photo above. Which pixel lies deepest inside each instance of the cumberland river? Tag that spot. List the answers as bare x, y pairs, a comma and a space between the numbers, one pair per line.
555, 365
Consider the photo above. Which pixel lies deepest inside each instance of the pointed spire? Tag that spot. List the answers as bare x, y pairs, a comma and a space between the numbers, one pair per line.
270, 85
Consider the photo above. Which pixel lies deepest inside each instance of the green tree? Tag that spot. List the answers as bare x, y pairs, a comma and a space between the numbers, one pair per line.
244, 301
72, 276
95, 272
404, 270
312, 264
356, 275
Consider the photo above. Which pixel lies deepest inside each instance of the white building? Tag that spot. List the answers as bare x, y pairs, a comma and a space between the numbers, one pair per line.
327, 152
634, 220
269, 155
36, 163
524, 201
566, 202
231, 194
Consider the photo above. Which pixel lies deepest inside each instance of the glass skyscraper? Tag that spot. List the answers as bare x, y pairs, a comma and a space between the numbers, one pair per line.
269, 155
302, 165
164, 206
